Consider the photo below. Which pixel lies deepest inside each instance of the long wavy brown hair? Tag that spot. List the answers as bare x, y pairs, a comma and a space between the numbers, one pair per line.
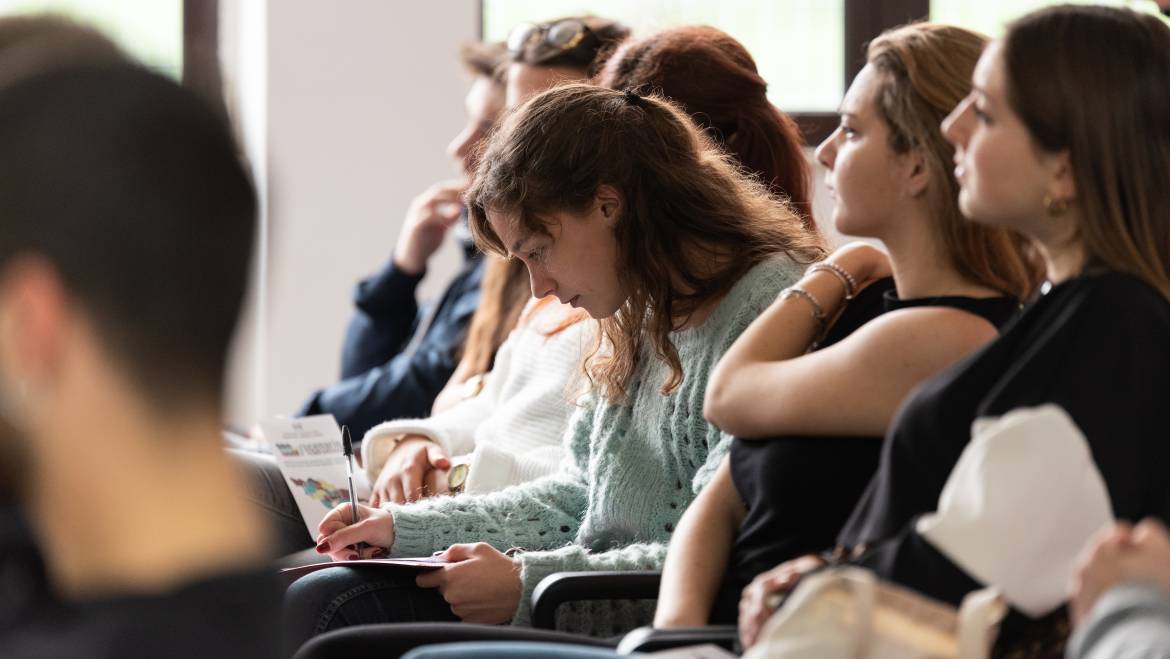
926, 71
693, 223
715, 80
504, 291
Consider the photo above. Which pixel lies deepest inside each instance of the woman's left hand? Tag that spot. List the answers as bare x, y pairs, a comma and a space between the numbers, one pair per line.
481, 584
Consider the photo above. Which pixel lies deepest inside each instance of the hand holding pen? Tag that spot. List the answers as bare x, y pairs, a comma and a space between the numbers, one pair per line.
347, 450
333, 523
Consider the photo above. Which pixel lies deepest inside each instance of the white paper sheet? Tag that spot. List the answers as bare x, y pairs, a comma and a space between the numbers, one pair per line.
309, 452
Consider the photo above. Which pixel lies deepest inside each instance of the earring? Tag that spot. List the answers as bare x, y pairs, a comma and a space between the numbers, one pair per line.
1054, 206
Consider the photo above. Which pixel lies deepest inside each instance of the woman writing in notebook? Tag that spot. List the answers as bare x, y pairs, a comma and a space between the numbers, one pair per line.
619, 205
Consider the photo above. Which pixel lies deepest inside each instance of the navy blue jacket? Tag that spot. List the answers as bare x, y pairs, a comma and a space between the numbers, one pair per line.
381, 379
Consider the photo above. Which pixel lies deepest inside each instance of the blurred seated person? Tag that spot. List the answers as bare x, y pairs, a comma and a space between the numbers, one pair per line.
397, 354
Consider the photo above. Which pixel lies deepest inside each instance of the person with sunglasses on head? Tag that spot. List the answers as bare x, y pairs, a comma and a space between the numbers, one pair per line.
618, 204
539, 56
544, 55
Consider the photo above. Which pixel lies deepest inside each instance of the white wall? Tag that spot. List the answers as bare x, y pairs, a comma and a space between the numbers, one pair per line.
356, 102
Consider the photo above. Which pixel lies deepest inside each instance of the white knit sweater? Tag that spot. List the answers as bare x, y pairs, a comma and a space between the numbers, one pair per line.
514, 427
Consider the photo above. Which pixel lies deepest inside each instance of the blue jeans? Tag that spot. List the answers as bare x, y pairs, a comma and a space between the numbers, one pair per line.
340, 597
510, 650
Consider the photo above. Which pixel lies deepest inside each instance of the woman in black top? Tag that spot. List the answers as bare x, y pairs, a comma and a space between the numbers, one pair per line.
954, 284
1066, 138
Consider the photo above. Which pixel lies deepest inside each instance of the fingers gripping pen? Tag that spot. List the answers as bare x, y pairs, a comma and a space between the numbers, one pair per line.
347, 449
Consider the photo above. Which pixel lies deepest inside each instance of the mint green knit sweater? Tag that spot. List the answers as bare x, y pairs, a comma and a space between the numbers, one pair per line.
631, 470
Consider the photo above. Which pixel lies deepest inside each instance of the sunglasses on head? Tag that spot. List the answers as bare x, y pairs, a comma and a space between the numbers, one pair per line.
547, 40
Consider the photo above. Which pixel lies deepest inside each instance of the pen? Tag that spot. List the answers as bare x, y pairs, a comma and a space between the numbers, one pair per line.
348, 450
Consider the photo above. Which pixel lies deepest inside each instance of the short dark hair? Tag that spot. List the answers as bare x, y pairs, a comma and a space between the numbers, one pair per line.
133, 189
489, 60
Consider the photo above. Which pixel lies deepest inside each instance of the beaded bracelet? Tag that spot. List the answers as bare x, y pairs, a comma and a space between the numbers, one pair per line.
818, 313
847, 279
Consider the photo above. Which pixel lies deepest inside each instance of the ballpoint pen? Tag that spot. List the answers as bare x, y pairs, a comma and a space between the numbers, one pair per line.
347, 449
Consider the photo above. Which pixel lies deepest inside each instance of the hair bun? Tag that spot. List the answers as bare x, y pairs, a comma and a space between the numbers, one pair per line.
632, 98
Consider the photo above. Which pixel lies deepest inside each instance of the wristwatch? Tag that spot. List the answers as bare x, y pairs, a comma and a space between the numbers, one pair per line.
457, 477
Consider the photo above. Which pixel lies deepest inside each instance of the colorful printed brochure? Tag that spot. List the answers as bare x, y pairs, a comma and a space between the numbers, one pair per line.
308, 450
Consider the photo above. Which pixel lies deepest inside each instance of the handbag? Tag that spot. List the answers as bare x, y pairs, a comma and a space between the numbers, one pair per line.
848, 613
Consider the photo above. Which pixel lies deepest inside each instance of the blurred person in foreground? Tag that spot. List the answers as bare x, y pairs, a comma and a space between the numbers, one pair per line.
126, 225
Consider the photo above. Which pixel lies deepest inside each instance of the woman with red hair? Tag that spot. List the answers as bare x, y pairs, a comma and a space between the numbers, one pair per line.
714, 78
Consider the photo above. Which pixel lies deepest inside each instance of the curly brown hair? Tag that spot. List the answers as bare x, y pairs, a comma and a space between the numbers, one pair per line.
692, 224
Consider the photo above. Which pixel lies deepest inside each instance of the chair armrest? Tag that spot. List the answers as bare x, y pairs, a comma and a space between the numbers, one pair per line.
556, 589
649, 639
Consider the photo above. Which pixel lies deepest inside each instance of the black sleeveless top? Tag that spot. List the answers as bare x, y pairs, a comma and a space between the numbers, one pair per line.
799, 490
1098, 346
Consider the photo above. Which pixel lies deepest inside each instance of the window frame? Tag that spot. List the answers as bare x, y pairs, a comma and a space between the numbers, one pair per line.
864, 20
201, 67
